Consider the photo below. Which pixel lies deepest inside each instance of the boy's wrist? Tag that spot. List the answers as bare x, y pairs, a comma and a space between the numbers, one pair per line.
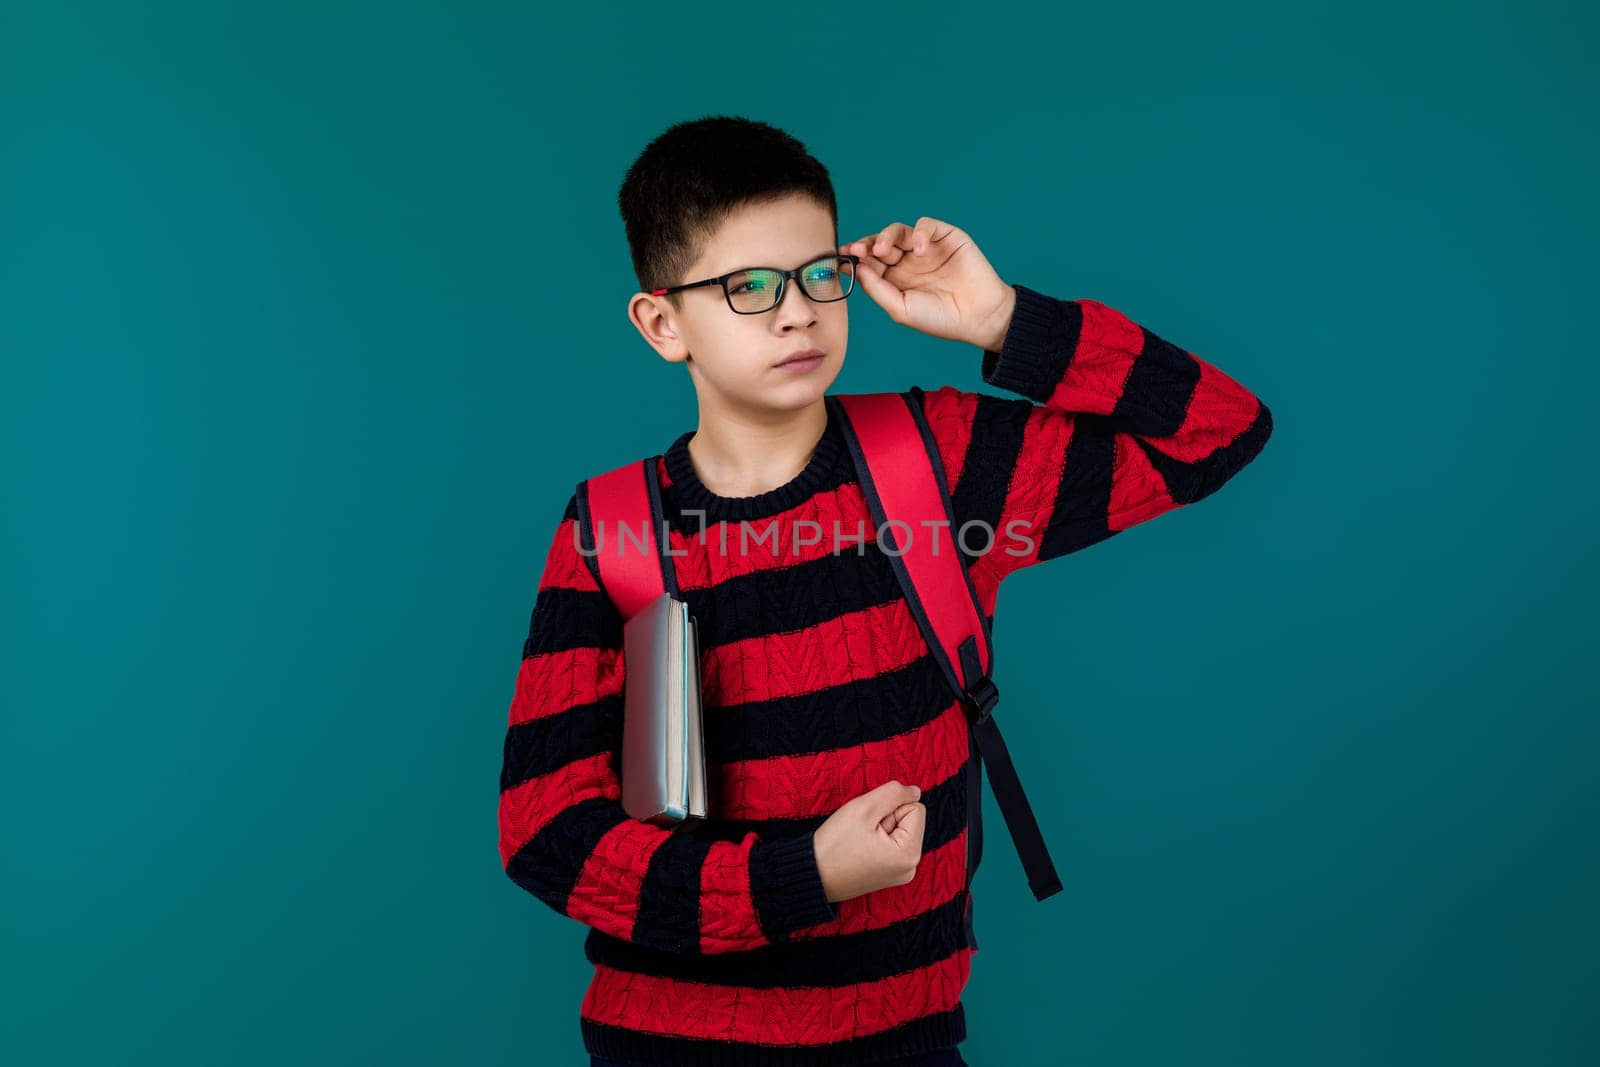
787, 886
992, 337
1040, 335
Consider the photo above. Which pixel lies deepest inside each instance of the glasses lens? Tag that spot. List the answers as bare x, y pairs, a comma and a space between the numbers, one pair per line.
829, 278
753, 290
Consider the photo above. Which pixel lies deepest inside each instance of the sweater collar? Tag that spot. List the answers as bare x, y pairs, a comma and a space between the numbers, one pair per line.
691, 494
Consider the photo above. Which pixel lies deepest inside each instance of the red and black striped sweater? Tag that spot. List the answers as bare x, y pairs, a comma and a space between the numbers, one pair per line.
714, 943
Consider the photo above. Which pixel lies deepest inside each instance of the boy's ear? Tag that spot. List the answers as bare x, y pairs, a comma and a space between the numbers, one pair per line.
653, 318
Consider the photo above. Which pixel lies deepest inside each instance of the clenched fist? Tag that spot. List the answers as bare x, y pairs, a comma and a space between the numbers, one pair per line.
873, 841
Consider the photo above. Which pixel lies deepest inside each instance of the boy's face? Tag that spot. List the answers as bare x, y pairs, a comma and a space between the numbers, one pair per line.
732, 358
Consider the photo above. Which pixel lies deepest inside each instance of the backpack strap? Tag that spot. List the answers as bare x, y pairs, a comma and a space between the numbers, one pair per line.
902, 478
620, 524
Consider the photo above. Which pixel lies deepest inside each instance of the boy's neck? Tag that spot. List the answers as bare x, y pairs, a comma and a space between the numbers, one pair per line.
735, 454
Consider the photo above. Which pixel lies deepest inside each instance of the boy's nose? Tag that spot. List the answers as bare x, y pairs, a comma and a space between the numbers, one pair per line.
795, 306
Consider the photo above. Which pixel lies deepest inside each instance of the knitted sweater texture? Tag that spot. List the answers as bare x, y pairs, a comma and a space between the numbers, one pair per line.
714, 943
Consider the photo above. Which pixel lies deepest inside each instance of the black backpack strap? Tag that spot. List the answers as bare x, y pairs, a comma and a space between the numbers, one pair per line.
980, 699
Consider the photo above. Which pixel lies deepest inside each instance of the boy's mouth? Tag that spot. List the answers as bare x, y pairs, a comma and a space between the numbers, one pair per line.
804, 354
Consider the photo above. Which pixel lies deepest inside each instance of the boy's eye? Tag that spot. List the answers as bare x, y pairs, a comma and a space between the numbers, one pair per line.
752, 284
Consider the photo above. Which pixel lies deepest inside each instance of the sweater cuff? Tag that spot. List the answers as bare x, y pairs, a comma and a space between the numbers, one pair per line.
787, 887
1039, 343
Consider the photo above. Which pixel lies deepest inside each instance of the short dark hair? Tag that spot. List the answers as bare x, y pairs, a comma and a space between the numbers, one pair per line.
693, 175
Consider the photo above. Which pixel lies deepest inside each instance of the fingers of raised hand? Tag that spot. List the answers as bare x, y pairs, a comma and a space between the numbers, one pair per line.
892, 242
883, 249
862, 248
927, 231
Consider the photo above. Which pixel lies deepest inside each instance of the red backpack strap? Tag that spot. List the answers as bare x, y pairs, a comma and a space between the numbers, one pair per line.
621, 527
902, 478
903, 488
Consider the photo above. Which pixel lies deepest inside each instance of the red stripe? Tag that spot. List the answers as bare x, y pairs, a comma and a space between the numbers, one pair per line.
1100, 366
552, 682
792, 787
1138, 492
1030, 496
528, 807
775, 1015
1220, 410
950, 414
606, 893
832, 652
715, 551
564, 567
725, 879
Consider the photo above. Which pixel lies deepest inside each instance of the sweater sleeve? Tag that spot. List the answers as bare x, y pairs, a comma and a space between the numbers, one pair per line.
1113, 427
564, 836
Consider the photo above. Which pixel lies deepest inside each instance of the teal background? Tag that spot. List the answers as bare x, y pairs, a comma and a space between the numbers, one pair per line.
310, 315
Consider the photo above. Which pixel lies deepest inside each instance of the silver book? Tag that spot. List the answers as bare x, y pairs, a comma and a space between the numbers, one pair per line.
663, 742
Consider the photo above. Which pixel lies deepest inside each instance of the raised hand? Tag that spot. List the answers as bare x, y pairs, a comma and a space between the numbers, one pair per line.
934, 278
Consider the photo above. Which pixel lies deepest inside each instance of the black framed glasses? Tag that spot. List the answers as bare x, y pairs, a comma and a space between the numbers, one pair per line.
754, 290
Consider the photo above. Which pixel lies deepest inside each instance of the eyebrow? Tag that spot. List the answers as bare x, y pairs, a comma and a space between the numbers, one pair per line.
797, 266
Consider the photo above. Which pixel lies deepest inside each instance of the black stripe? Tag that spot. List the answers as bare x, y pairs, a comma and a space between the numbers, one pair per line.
857, 712
669, 899
839, 960
995, 446
1189, 482
690, 523
838, 716
1080, 515
578, 510
547, 865
1157, 392
544, 745
803, 594
943, 1029
668, 917
565, 619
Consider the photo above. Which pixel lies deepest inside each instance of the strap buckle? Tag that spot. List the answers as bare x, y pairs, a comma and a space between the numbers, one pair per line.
981, 696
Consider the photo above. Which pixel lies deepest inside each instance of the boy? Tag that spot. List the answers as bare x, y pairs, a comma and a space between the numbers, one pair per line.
817, 918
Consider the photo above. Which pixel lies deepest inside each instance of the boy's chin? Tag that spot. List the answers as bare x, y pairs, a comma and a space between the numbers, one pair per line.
777, 395
800, 393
